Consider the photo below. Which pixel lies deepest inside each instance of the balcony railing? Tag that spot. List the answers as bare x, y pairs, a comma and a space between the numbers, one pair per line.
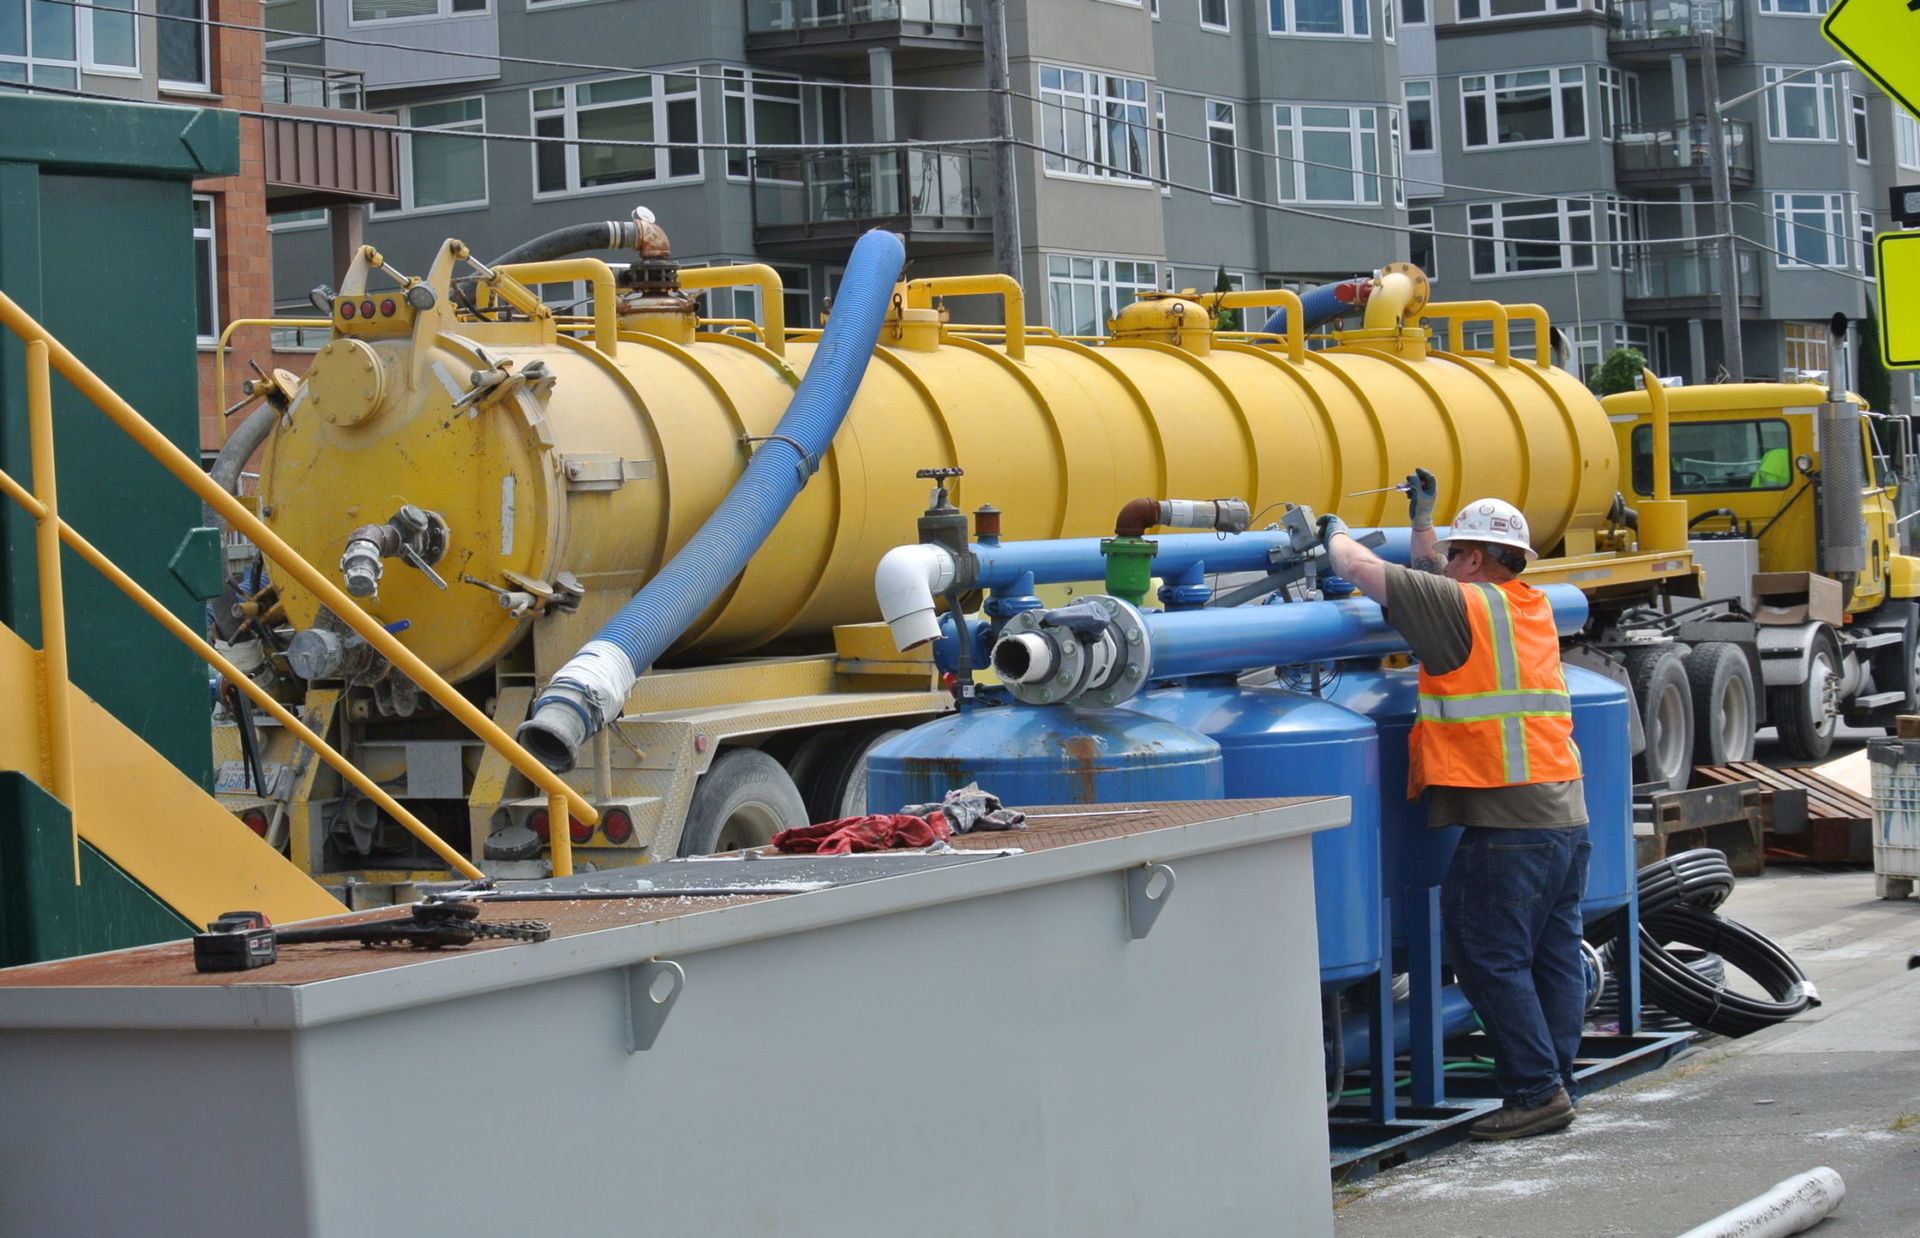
804, 189
307, 85
1680, 152
1649, 21
780, 16
1688, 275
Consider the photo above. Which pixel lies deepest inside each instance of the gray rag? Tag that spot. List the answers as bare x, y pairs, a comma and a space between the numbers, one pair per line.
969, 809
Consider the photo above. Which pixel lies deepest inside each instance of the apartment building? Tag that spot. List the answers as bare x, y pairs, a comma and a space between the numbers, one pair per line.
1560, 149
1112, 97
298, 156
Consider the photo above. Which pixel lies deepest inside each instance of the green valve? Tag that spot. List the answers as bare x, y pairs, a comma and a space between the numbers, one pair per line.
1129, 567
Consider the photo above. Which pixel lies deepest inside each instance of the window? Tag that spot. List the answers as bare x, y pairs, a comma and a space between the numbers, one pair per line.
441, 172
1619, 101
112, 41
1623, 229
300, 19
1491, 10
1223, 166
1213, 15
796, 295
291, 221
1421, 250
365, 11
1153, 6
1327, 154
1794, 8
1160, 138
761, 110
1386, 19
1860, 128
1421, 139
1530, 235
1396, 162
182, 42
301, 339
1346, 19
1804, 109
648, 108
38, 43
1413, 12
1804, 349
1866, 244
1083, 294
1906, 139
206, 273
1511, 109
1093, 124
1708, 456
1810, 229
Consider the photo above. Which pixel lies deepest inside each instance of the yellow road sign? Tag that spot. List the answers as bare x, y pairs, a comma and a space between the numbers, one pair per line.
1891, 28
1897, 257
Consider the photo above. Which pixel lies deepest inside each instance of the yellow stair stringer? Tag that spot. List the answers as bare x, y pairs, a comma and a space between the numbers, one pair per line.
148, 818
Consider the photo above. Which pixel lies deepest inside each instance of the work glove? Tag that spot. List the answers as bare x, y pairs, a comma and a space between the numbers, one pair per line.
1423, 490
1329, 525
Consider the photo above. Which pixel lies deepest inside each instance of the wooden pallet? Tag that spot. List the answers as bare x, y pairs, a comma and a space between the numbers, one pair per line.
1837, 825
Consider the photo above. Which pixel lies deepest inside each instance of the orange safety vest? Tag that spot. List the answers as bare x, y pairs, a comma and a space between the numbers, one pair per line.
1503, 717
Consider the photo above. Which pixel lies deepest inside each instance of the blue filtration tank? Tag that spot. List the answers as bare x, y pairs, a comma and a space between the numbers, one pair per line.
1045, 755
1414, 857
1277, 742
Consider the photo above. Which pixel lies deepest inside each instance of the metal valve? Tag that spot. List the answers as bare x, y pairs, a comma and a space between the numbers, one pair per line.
413, 535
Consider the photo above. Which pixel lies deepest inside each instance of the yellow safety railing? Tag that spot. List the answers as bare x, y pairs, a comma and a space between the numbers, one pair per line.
226, 336
45, 354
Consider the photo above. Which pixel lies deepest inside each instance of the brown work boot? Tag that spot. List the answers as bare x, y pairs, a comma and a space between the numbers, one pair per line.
1513, 1122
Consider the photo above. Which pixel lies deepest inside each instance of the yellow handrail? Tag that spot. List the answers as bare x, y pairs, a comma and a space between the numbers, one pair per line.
212, 657
220, 356
53, 598
297, 568
773, 305
606, 322
1264, 298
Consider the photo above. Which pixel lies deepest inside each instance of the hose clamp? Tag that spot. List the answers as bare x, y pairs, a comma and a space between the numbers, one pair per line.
805, 467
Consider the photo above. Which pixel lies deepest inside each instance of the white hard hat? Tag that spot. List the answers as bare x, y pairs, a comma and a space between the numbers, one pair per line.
1495, 522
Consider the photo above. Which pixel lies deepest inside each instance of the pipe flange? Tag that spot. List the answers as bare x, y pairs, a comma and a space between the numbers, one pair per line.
1069, 671
1135, 661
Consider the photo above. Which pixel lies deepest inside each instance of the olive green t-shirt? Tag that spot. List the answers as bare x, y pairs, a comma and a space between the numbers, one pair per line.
1431, 613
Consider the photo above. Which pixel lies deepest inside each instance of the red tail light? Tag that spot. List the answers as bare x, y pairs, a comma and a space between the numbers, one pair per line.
538, 823
255, 820
617, 826
579, 832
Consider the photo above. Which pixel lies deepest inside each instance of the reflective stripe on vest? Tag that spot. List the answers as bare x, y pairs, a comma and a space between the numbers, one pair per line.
1520, 712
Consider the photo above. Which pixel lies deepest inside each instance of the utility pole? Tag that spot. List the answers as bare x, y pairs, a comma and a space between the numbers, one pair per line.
1006, 199
1733, 356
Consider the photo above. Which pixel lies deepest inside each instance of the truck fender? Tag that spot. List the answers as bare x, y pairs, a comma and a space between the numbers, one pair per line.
1600, 664
1785, 651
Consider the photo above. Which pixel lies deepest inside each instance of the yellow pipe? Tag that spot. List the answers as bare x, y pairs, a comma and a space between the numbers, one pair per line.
1457, 313
53, 597
1387, 303
1266, 298
287, 559
220, 355
606, 321
743, 324
773, 309
560, 834
1663, 518
1662, 449
921, 292
208, 654
1542, 331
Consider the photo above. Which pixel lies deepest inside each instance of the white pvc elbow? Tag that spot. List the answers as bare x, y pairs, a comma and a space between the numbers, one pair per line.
905, 584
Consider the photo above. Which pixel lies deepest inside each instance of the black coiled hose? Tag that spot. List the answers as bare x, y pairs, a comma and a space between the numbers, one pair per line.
1699, 878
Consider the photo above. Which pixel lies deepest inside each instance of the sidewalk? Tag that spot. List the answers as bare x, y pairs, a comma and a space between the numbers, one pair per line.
1657, 1155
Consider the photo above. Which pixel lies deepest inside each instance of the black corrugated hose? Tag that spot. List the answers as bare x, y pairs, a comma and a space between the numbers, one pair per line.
1678, 901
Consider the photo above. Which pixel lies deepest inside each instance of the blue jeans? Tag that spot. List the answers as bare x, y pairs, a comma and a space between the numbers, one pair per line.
1510, 910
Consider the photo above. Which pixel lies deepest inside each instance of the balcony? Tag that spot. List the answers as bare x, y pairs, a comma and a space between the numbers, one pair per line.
922, 32
1652, 30
1678, 154
1682, 283
815, 204
312, 163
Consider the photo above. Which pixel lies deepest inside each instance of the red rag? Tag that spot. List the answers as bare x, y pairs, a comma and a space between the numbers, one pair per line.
877, 832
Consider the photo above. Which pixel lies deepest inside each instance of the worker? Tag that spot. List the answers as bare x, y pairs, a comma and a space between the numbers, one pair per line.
1494, 748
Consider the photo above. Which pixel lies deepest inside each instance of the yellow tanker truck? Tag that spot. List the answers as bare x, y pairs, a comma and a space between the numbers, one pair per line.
496, 479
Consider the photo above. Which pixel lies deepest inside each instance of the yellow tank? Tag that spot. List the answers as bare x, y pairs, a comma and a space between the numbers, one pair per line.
598, 447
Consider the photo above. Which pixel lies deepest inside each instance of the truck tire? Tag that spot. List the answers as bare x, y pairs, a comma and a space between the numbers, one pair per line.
838, 787
1665, 701
742, 800
1725, 708
1805, 712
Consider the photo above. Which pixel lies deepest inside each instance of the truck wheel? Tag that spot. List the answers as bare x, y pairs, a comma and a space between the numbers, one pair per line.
838, 787
1665, 701
1806, 713
742, 800
1725, 708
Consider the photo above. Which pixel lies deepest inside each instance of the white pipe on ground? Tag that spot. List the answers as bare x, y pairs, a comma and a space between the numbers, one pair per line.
1799, 1203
